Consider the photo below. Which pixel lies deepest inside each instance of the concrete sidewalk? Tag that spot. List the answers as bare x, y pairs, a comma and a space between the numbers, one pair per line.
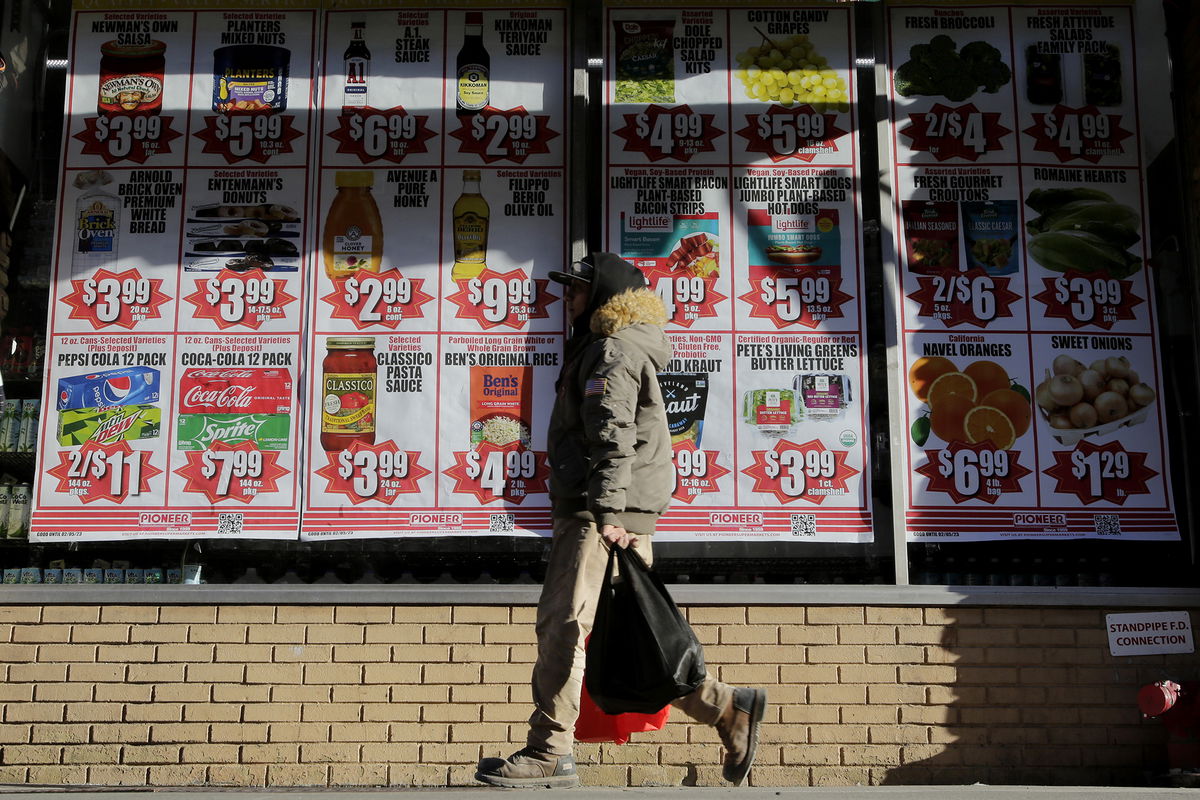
974, 792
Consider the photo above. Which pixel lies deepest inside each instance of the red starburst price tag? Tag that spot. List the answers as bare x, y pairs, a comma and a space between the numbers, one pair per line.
133, 137
796, 295
1084, 133
799, 133
808, 471
512, 135
1092, 299
687, 297
382, 299
947, 132
696, 471
240, 298
490, 473
120, 299
249, 136
964, 298
380, 472
508, 299
110, 472
238, 472
973, 471
374, 134
1105, 472
662, 132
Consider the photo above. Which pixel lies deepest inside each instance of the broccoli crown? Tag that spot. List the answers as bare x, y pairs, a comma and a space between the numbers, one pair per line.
939, 68
915, 78
979, 51
958, 86
943, 42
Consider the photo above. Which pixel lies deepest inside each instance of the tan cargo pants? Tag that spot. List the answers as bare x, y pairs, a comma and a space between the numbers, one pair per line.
578, 557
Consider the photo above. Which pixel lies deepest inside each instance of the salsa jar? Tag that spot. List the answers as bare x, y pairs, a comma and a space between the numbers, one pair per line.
131, 78
348, 392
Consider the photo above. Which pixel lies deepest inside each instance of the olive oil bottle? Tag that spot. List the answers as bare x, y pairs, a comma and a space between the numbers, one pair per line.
470, 229
474, 67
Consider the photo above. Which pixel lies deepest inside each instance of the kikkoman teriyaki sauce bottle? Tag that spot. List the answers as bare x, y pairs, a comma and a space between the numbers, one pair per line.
353, 239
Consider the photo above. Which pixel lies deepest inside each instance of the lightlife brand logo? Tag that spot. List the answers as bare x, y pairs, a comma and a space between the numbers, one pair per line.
787, 224
650, 222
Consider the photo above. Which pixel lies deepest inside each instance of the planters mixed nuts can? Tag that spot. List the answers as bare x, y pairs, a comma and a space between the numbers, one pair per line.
250, 78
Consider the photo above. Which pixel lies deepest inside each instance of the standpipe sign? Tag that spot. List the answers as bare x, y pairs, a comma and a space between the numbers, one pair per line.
1155, 633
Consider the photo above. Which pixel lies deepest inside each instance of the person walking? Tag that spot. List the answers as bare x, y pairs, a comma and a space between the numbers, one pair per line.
611, 478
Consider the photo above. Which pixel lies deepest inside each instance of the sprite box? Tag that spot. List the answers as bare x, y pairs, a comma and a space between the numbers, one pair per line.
107, 425
198, 431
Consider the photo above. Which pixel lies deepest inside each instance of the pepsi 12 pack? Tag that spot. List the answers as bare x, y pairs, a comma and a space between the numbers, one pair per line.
114, 387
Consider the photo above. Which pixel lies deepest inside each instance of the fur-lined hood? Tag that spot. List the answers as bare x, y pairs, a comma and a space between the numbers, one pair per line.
631, 307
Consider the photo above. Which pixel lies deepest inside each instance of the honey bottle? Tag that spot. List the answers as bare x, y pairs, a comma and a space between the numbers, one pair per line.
353, 238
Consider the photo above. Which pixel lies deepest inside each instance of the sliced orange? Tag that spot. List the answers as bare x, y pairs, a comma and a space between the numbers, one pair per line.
956, 383
925, 371
988, 376
1014, 405
947, 419
988, 424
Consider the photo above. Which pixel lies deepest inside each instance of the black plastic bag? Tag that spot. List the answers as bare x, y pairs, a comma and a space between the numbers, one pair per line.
642, 654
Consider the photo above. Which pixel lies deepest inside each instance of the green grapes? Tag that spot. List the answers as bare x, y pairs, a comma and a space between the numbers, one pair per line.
791, 72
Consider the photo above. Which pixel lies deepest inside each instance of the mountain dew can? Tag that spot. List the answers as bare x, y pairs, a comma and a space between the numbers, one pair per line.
198, 431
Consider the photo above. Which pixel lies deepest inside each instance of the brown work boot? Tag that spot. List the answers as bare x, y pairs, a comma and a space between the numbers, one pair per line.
529, 769
738, 728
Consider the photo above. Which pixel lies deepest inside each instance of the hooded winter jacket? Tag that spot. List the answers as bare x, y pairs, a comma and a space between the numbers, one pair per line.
608, 443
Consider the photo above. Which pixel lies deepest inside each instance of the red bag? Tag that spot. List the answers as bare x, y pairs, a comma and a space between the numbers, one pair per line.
594, 725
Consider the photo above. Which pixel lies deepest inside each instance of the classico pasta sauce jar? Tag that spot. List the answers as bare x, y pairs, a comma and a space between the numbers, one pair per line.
348, 392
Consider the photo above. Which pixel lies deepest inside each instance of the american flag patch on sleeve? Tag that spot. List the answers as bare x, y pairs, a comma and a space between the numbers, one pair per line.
595, 386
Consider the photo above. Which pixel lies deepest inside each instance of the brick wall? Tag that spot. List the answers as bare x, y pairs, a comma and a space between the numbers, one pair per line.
376, 695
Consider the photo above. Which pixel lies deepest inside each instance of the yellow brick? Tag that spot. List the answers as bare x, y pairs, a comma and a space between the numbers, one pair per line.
237, 775
411, 633
841, 694
313, 693
762, 654
213, 712
246, 614
37, 673
270, 753
866, 634
32, 754
480, 731
524, 614
273, 673
457, 634
373, 615
994, 676
234, 693
481, 615
779, 776
452, 712
57, 653
835, 615
927, 674
158, 633
837, 734
65, 692
928, 715
151, 754
327, 752
478, 694
50, 775
923, 634
334, 634
812, 754
360, 694
177, 775
129, 614
19, 614
304, 614
17, 692
118, 775
123, 653
527, 653
403, 752
503, 673
808, 634
161, 673
197, 614
452, 673
358, 732
419, 693
186, 653
1031, 655
298, 732
330, 712
59, 734
897, 695
179, 732
362, 653
882, 615
871, 755
441, 753
183, 693
271, 712
243, 653
33, 712
418, 732
154, 712
236, 732
727, 615
504, 634
478, 653
299, 653
895, 654
391, 712
749, 634
358, 775
749, 674
101, 673
943, 617
808, 673
420, 775
124, 733
93, 755
836, 654
296, 775
808, 714
656, 775
339, 673
423, 613
869, 714
272, 633
209, 753
41, 633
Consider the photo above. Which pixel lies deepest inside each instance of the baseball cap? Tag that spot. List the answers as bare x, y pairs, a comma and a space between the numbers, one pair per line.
578, 271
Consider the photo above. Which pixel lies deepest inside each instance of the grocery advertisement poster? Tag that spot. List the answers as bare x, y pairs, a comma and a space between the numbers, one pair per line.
1031, 393
171, 405
731, 168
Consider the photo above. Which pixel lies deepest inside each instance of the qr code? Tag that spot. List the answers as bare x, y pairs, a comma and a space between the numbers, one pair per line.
230, 523
502, 523
1107, 524
804, 524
